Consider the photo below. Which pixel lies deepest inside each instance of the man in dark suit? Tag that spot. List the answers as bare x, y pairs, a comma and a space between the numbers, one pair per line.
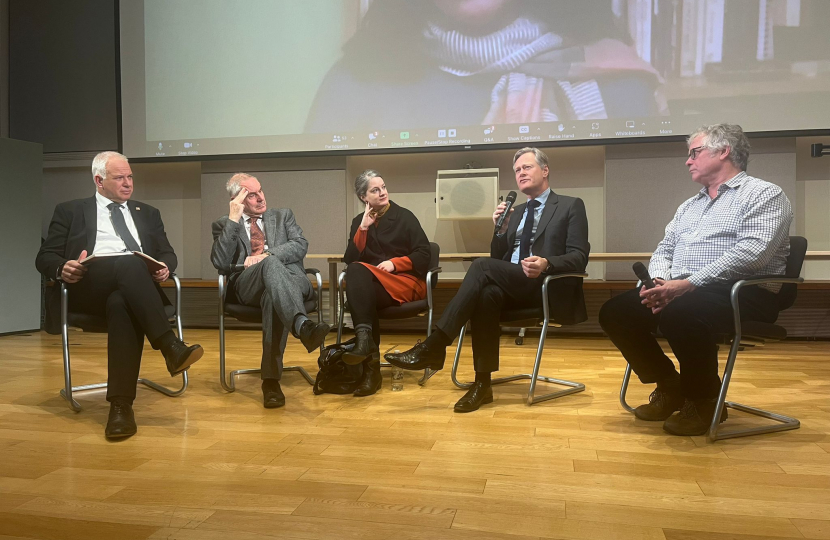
269, 247
549, 236
121, 288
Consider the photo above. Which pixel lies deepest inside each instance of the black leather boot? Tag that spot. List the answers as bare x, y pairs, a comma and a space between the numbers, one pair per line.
364, 347
372, 380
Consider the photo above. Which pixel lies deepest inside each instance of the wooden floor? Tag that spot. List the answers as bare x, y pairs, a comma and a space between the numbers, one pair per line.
211, 465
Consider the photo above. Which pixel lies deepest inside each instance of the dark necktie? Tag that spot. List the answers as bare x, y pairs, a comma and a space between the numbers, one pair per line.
117, 217
257, 238
527, 232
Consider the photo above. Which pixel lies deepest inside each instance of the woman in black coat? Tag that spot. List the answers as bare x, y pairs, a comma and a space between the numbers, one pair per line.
388, 259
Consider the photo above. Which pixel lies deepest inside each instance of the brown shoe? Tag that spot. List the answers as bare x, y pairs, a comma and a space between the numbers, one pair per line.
660, 406
694, 418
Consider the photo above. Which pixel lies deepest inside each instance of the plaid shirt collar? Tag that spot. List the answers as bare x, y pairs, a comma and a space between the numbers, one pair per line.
733, 183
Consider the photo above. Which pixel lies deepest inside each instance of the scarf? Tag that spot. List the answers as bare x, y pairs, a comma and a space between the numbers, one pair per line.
541, 80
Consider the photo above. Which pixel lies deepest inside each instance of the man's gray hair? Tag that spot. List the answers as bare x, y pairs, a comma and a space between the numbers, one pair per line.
719, 137
361, 183
234, 185
541, 157
99, 163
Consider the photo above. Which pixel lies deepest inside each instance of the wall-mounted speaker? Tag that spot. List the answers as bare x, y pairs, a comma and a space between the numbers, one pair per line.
466, 194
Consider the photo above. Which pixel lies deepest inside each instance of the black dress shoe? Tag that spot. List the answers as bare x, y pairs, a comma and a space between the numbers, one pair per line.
121, 421
179, 356
363, 349
479, 394
694, 418
418, 357
660, 406
272, 396
312, 335
371, 381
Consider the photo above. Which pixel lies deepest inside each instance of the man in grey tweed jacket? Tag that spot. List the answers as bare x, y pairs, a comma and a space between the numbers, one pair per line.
263, 251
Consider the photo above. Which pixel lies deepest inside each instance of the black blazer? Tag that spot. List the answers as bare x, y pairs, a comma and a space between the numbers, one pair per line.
73, 229
397, 234
561, 238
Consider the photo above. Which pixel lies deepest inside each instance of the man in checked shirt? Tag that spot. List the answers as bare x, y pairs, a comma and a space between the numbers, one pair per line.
736, 226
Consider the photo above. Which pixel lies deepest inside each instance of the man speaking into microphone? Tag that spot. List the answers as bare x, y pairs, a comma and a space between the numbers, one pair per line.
546, 235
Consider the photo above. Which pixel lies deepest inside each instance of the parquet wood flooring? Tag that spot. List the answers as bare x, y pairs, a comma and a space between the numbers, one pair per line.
215, 466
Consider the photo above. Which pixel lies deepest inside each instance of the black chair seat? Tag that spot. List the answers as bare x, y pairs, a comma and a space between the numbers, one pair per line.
253, 314
98, 324
404, 311
763, 331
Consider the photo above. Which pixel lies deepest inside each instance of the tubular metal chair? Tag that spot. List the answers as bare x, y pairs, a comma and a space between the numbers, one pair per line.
404, 311
95, 323
253, 314
754, 332
542, 317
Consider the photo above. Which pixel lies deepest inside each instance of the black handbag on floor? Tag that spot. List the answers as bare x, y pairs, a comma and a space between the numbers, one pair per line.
335, 376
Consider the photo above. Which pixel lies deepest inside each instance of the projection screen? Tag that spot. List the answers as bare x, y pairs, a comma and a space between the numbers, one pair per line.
219, 77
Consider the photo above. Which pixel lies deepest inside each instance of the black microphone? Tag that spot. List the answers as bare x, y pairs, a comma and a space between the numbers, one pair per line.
511, 198
640, 269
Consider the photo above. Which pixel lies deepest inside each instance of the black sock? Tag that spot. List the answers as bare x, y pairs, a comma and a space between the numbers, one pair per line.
483, 377
438, 340
164, 340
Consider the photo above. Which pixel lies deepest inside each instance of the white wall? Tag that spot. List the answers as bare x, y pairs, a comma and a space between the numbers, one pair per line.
21, 172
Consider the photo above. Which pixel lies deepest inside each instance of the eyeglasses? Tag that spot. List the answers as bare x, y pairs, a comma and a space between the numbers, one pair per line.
694, 152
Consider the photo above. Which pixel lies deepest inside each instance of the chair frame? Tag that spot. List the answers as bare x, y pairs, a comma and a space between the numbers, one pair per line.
341, 290
229, 381
532, 399
714, 433
68, 391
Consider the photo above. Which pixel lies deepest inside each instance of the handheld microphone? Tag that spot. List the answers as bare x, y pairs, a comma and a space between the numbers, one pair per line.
511, 198
640, 269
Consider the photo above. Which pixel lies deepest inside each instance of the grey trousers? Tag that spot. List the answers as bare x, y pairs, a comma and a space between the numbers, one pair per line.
280, 290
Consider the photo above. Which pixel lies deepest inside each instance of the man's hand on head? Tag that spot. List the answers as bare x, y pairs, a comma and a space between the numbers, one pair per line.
236, 206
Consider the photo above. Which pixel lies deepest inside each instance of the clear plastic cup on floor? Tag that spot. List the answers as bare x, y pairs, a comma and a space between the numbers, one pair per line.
397, 378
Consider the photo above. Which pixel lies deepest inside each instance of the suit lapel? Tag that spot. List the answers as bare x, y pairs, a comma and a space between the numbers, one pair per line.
244, 236
547, 214
270, 221
91, 223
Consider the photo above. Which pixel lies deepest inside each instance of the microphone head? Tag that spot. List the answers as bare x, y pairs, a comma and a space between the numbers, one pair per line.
511, 197
638, 267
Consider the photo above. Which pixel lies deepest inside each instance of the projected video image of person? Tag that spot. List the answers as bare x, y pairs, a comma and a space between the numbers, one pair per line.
425, 63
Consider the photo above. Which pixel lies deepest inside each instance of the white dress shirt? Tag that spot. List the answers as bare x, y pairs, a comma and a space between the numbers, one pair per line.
247, 219
106, 241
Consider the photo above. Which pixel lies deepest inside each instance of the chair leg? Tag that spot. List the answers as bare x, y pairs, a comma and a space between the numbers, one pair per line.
532, 399
784, 422
624, 389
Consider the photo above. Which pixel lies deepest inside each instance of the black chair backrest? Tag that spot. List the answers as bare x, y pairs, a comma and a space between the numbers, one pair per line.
798, 249
434, 252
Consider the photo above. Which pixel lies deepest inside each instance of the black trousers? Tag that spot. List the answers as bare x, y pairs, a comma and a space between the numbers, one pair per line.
366, 297
489, 286
689, 323
122, 290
